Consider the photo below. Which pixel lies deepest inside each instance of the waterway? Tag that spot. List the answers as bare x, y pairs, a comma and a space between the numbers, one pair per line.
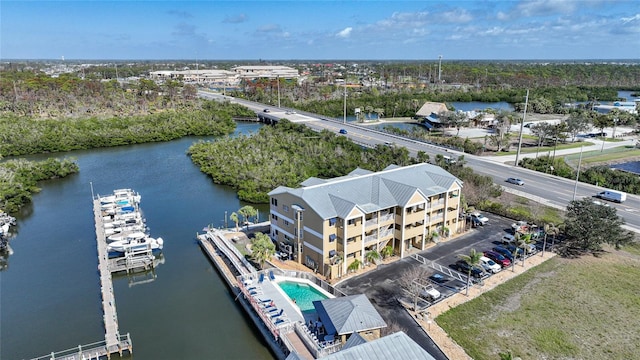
50, 295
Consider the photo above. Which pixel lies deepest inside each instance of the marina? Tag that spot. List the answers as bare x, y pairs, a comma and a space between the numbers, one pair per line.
130, 259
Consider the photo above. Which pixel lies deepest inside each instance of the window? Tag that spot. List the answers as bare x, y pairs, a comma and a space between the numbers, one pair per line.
274, 217
285, 208
274, 201
351, 221
333, 237
332, 222
286, 223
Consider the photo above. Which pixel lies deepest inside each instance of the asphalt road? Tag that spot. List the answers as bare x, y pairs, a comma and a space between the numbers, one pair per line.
547, 189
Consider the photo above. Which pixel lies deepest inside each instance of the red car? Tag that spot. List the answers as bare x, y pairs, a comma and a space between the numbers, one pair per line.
498, 258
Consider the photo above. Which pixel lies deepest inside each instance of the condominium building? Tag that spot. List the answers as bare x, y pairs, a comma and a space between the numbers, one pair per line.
327, 224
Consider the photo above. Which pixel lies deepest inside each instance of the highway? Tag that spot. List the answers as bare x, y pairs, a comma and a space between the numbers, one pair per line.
545, 188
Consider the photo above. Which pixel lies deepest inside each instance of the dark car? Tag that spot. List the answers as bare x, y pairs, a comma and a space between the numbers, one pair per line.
266, 110
498, 258
504, 252
463, 267
439, 279
519, 252
528, 125
343, 131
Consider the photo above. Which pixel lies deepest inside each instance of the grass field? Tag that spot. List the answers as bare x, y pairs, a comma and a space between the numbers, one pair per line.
587, 308
608, 155
545, 149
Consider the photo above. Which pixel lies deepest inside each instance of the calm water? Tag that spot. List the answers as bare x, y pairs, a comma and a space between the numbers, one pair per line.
633, 167
49, 294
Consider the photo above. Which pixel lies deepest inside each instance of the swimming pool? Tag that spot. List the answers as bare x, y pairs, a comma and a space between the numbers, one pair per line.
303, 294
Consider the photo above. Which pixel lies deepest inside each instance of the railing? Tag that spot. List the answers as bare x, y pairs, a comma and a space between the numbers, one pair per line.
370, 222
231, 253
386, 217
432, 264
370, 238
94, 350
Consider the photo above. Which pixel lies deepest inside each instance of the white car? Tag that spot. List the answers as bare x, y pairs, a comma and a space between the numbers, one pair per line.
519, 225
489, 265
479, 217
430, 293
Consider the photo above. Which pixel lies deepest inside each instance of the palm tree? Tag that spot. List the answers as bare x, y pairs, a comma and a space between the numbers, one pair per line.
523, 243
355, 265
235, 219
550, 229
386, 251
372, 256
247, 212
473, 259
262, 248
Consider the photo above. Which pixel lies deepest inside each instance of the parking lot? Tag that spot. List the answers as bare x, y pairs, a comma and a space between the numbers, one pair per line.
382, 285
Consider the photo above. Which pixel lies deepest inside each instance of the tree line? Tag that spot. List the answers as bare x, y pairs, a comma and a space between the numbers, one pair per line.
27, 135
19, 178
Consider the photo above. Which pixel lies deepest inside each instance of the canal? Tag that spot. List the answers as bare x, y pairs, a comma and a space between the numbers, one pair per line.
49, 292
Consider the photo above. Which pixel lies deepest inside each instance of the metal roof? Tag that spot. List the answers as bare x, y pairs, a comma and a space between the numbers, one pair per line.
348, 315
371, 191
395, 346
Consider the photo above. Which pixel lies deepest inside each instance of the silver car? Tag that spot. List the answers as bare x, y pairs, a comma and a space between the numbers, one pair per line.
515, 181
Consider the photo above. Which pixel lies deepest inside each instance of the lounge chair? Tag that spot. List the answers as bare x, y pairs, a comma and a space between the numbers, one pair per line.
271, 276
261, 278
264, 300
278, 314
273, 310
255, 292
280, 320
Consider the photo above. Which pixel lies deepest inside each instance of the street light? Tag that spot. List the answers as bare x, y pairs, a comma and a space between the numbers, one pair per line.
524, 116
439, 68
278, 79
575, 189
345, 101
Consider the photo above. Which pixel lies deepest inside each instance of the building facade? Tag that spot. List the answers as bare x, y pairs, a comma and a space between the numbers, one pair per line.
327, 224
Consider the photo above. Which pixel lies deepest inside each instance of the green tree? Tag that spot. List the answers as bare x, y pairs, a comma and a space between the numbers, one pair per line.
235, 219
524, 241
455, 119
247, 212
371, 256
578, 122
355, 265
588, 226
262, 248
386, 251
473, 260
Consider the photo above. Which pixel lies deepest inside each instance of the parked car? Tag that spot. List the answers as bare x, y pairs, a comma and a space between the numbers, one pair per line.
430, 293
343, 131
598, 202
498, 258
508, 239
439, 279
463, 267
479, 217
489, 265
266, 110
515, 181
504, 252
528, 125
514, 249
519, 226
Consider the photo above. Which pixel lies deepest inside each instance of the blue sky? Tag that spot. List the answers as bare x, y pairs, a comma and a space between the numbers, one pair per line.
305, 30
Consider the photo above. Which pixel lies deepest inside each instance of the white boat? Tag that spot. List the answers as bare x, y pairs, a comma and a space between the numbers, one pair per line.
125, 229
144, 244
127, 236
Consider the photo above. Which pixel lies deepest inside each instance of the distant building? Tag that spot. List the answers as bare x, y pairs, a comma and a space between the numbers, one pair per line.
430, 112
628, 106
270, 72
327, 224
209, 76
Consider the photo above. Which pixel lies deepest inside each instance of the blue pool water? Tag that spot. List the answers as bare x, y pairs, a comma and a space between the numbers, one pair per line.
303, 294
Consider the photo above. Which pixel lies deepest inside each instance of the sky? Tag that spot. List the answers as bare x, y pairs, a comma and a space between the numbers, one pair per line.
321, 30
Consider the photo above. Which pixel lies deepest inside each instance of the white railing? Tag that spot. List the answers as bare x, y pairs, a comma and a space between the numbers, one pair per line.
370, 222
370, 238
386, 217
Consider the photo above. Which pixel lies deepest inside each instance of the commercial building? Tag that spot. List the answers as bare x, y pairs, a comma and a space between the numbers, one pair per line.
328, 224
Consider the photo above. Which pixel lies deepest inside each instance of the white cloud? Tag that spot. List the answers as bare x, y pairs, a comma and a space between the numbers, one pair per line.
636, 17
546, 7
237, 19
345, 33
455, 16
502, 16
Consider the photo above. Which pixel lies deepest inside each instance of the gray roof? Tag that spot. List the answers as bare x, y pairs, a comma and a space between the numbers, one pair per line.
294, 356
348, 314
371, 191
395, 346
354, 340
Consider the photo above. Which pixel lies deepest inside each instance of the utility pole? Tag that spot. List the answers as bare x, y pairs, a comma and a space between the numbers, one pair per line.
278, 79
575, 189
439, 69
524, 116
345, 101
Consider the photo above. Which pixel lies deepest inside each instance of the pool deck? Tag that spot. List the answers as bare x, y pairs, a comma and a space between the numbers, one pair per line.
268, 289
